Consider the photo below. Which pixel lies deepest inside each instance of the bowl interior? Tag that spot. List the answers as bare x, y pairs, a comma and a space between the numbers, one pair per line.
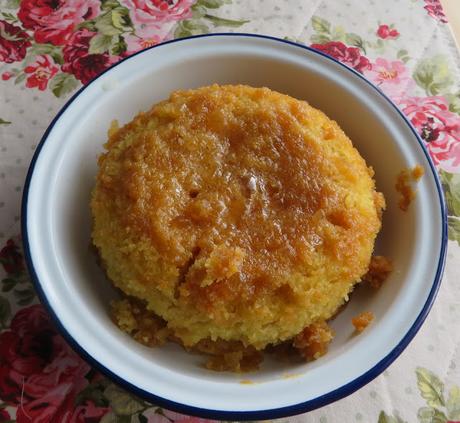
59, 221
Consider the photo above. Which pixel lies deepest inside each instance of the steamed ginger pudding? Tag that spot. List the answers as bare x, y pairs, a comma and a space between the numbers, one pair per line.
235, 214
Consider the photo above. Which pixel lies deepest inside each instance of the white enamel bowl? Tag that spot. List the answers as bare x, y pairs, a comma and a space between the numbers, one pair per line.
56, 227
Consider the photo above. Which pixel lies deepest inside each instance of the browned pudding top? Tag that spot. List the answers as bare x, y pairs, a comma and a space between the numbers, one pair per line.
255, 184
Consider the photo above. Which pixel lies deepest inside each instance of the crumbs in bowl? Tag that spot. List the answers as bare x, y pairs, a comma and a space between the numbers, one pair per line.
403, 186
362, 321
233, 219
380, 268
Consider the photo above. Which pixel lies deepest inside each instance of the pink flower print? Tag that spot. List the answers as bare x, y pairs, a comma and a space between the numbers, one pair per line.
392, 77
7, 75
135, 43
159, 11
13, 43
438, 127
350, 56
166, 416
153, 21
434, 9
385, 32
53, 21
40, 72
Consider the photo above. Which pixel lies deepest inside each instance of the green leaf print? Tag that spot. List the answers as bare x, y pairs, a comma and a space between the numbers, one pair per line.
385, 418
453, 403
438, 410
109, 4
4, 122
451, 185
431, 415
94, 392
213, 4
8, 284
198, 11
224, 22
100, 43
114, 22
453, 226
122, 403
431, 388
320, 25
89, 25
201, 18
433, 75
320, 39
339, 34
5, 311
454, 102
9, 17
403, 55
113, 44
63, 83
324, 33
53, 51
110, 417
355, 40
24, 296
11, 4
190, 27
20, 78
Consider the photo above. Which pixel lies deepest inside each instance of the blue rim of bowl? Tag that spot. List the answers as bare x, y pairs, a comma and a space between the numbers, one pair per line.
303, 407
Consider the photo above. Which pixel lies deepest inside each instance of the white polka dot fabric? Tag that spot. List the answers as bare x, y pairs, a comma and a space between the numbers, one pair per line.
403, 46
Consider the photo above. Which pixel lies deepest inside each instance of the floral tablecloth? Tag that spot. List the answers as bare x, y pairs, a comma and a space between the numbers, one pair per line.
49, 48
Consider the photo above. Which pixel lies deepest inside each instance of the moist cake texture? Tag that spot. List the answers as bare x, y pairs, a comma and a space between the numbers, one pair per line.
236, 214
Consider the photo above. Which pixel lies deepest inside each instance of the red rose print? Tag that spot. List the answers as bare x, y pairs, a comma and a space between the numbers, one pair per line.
53, 21
159, 11
4, 415
13, 43
135, 42
167, 416
7, 75
153, 20
384, 31
39, 372
392, 77
87, 413
438, 127
350, 56
79, 62
40, 72
434, 9
11, 259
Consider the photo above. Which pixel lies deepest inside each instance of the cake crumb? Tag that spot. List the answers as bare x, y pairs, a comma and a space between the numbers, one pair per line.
313, 342
222, 263
291, 375
362, 321
113, 128
379, 269
235, 362
131, 316
407, 193
417, 172
228, 356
